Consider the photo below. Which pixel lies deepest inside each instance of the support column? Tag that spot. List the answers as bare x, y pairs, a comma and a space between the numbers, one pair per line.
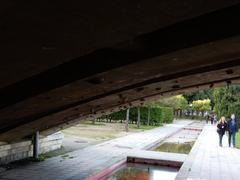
36, 144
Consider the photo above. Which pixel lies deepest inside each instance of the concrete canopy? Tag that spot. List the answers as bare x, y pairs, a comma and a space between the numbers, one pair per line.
62, 62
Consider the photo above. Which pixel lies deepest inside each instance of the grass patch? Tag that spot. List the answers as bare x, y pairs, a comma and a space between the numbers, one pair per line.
40, 158
50, 154
238, 140
56, 152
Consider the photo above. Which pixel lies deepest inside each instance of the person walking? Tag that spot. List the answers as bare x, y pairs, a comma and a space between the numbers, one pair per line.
207, 119
211, 119
215, 119
221, 128
232, 129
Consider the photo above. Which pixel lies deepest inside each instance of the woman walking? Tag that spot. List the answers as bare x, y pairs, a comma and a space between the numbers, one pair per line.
221, 128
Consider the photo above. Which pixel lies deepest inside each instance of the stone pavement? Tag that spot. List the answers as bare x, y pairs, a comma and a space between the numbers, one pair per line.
85, 162
156, 158
208, 161
187, 134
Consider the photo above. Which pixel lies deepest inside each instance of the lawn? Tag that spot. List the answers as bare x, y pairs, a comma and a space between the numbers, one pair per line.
103, 131
238, 140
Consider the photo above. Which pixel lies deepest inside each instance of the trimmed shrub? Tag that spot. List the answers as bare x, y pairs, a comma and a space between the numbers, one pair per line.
167, 114
158, 115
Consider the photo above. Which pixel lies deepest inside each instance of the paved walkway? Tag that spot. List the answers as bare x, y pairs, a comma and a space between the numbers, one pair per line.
208, 161
157, 158
82, 163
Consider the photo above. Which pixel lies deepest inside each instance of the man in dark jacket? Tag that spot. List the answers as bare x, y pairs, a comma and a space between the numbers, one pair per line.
232, 129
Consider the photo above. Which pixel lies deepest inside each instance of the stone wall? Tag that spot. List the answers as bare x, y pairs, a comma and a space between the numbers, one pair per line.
20, 150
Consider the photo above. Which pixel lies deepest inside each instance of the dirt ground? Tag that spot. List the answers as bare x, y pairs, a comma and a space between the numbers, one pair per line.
86, 133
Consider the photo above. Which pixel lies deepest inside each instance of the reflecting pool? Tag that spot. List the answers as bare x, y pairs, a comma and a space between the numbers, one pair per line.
143, 172
182, 148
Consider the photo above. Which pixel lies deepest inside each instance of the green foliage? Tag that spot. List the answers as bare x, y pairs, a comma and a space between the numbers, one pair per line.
227, 101
201, 105
198, 95
158, 115
40, 158
238, 140
167, 115
176, 102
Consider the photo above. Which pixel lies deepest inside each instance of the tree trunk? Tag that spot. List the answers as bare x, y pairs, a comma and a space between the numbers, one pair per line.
148, 116
198, 113
127, 119
138, 120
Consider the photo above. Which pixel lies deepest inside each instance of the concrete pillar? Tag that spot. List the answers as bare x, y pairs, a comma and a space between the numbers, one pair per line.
36, 144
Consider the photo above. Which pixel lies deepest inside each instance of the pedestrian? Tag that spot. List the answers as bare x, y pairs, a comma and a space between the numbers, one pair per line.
211, 119
207, 119
232, 129
215, 119
221, 128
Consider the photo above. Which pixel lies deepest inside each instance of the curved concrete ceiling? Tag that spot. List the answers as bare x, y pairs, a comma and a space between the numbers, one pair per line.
64, 62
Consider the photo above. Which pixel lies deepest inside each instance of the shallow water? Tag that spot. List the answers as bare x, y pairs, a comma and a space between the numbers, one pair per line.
144, 172
183, 148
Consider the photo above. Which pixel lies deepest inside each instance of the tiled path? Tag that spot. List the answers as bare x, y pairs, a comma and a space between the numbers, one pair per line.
157, 158
82, 163
208, 161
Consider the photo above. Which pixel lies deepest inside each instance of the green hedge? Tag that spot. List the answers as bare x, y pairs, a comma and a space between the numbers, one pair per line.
167, 114
158, 115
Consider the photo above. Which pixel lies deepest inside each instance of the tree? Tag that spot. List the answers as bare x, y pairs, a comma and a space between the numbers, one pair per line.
176, 102
127, 120
139, 117
227, 101
200, 95
202, 105
149, 113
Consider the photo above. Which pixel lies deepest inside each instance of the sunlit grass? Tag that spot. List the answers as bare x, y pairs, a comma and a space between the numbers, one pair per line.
238, 140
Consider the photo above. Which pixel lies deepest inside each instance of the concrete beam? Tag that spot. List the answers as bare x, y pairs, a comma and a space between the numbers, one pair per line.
208, 28
45, 34
199, 52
